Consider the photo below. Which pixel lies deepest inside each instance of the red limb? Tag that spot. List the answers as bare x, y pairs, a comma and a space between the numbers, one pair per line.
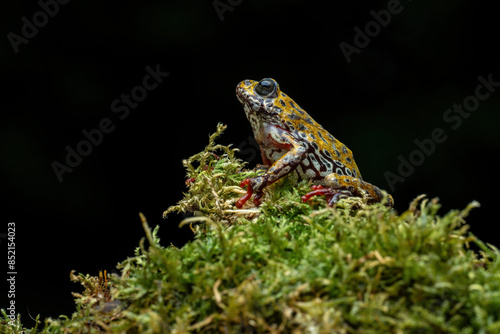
239, 203
317, 190
332, 195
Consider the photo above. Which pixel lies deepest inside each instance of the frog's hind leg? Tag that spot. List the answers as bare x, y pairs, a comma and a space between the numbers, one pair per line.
336, 186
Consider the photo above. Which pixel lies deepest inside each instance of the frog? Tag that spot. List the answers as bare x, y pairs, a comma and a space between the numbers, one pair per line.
291, 141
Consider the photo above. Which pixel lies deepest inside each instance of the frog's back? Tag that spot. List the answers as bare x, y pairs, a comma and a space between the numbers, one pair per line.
326, 154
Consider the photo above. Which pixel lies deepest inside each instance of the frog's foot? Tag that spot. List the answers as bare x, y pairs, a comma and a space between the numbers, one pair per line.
256, 200
253, 184
246, 182
332, 195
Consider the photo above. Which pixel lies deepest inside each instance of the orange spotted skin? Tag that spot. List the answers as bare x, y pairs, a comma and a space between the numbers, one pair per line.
292, 141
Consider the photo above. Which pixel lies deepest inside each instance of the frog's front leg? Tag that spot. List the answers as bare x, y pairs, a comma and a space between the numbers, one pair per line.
280, 140
338, 186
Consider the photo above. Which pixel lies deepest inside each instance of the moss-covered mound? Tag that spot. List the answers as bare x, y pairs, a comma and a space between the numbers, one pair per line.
290, 267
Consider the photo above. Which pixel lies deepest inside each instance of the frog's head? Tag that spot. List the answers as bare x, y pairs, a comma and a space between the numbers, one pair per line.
260, 98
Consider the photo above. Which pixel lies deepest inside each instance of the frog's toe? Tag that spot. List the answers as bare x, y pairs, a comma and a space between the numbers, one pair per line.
317, 190
337, 195
246, 182
332, 195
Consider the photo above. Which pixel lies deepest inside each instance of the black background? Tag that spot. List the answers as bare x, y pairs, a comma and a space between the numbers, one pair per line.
64, 79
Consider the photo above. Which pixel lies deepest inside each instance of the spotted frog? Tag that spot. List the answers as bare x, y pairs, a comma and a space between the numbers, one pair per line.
291, 141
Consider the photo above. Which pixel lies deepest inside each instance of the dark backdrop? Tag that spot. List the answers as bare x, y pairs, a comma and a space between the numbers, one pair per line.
67, 68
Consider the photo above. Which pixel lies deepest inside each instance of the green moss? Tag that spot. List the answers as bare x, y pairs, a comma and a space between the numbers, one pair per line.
290, 267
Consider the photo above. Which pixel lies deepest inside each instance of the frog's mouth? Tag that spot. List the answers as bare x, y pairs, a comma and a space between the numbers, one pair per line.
253, 105
239, 98
246, 99
242, 91
262, 107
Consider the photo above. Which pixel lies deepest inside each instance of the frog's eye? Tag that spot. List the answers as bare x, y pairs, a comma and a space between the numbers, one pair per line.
266, 88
